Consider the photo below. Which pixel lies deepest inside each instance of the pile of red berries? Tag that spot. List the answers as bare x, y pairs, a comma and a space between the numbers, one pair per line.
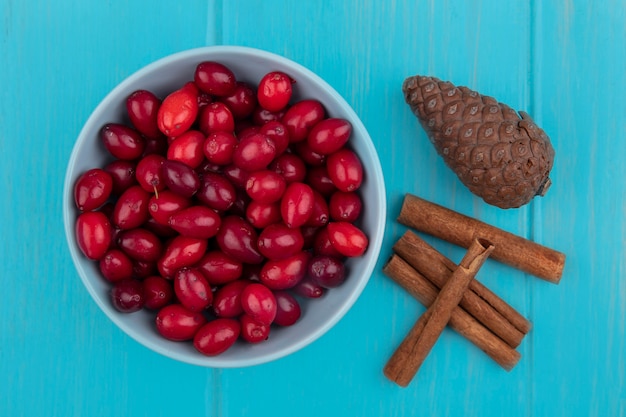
223, 204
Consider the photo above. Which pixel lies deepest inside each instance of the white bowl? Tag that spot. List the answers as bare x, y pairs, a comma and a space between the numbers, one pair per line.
318, 315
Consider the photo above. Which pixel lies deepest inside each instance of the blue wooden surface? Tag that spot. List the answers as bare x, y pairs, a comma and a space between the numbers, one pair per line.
563, 62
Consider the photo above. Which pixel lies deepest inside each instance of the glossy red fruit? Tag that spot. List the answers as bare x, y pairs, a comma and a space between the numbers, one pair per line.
348, 239
296, 204
255, 152
253, 331
93, 234
178, 111
259, 302
265, 186
165, 203
261, 215
327, 271
308, 288
319, 180
142, 107
140, 244
219, 268
320, 214
122, 174
180, 252
180, 178
290, 166
177, 323
219, 147
322, 245
345, 206
92, 189
115, 265
127, 296
227, 299
148, 173
216, 117
277, 133
131, 209
329, 135
217, 336
196, 221
274, 91
216, 192
215, 78
157, 291
345, 170
192, 289
187, 148
285, 273
288, 309
242, 101
238, 239
277, 241
121, 141
301, 117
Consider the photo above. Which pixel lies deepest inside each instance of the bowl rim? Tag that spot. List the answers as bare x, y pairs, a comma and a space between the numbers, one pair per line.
375, 174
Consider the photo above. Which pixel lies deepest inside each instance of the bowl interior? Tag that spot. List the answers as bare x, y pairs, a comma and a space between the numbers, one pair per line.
249, 65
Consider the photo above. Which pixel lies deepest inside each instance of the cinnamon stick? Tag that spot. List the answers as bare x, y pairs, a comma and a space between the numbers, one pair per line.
479, 301
460, 321
409, 356
461, 230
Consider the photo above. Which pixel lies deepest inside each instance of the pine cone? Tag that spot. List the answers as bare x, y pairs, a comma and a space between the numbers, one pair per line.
499, 156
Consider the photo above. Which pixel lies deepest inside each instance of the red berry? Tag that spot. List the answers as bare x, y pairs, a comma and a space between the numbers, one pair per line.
142, 107
214, 78
122, 141
157, 292
178, 111
253, 331
296, 205
177, 323
92, 189
116, 266
274, 91
192, 289
258, 301
196, 221
216, 117
220, 268
301, 117
127, 296
288, 309
285, 273
348, 239
329, 135
265, 186
345, 170
93, 234
217, 336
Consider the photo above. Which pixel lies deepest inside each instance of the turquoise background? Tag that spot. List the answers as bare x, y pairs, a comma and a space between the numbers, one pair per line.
564, 62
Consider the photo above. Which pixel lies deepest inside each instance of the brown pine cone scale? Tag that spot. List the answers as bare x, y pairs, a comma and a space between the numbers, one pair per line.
500, 155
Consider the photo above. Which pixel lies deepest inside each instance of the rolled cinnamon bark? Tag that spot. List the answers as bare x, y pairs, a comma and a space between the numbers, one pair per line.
409, 356
485, 306
462, 322
461, 230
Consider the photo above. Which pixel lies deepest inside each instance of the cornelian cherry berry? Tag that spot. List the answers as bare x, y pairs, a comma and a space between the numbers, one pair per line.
274, 91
